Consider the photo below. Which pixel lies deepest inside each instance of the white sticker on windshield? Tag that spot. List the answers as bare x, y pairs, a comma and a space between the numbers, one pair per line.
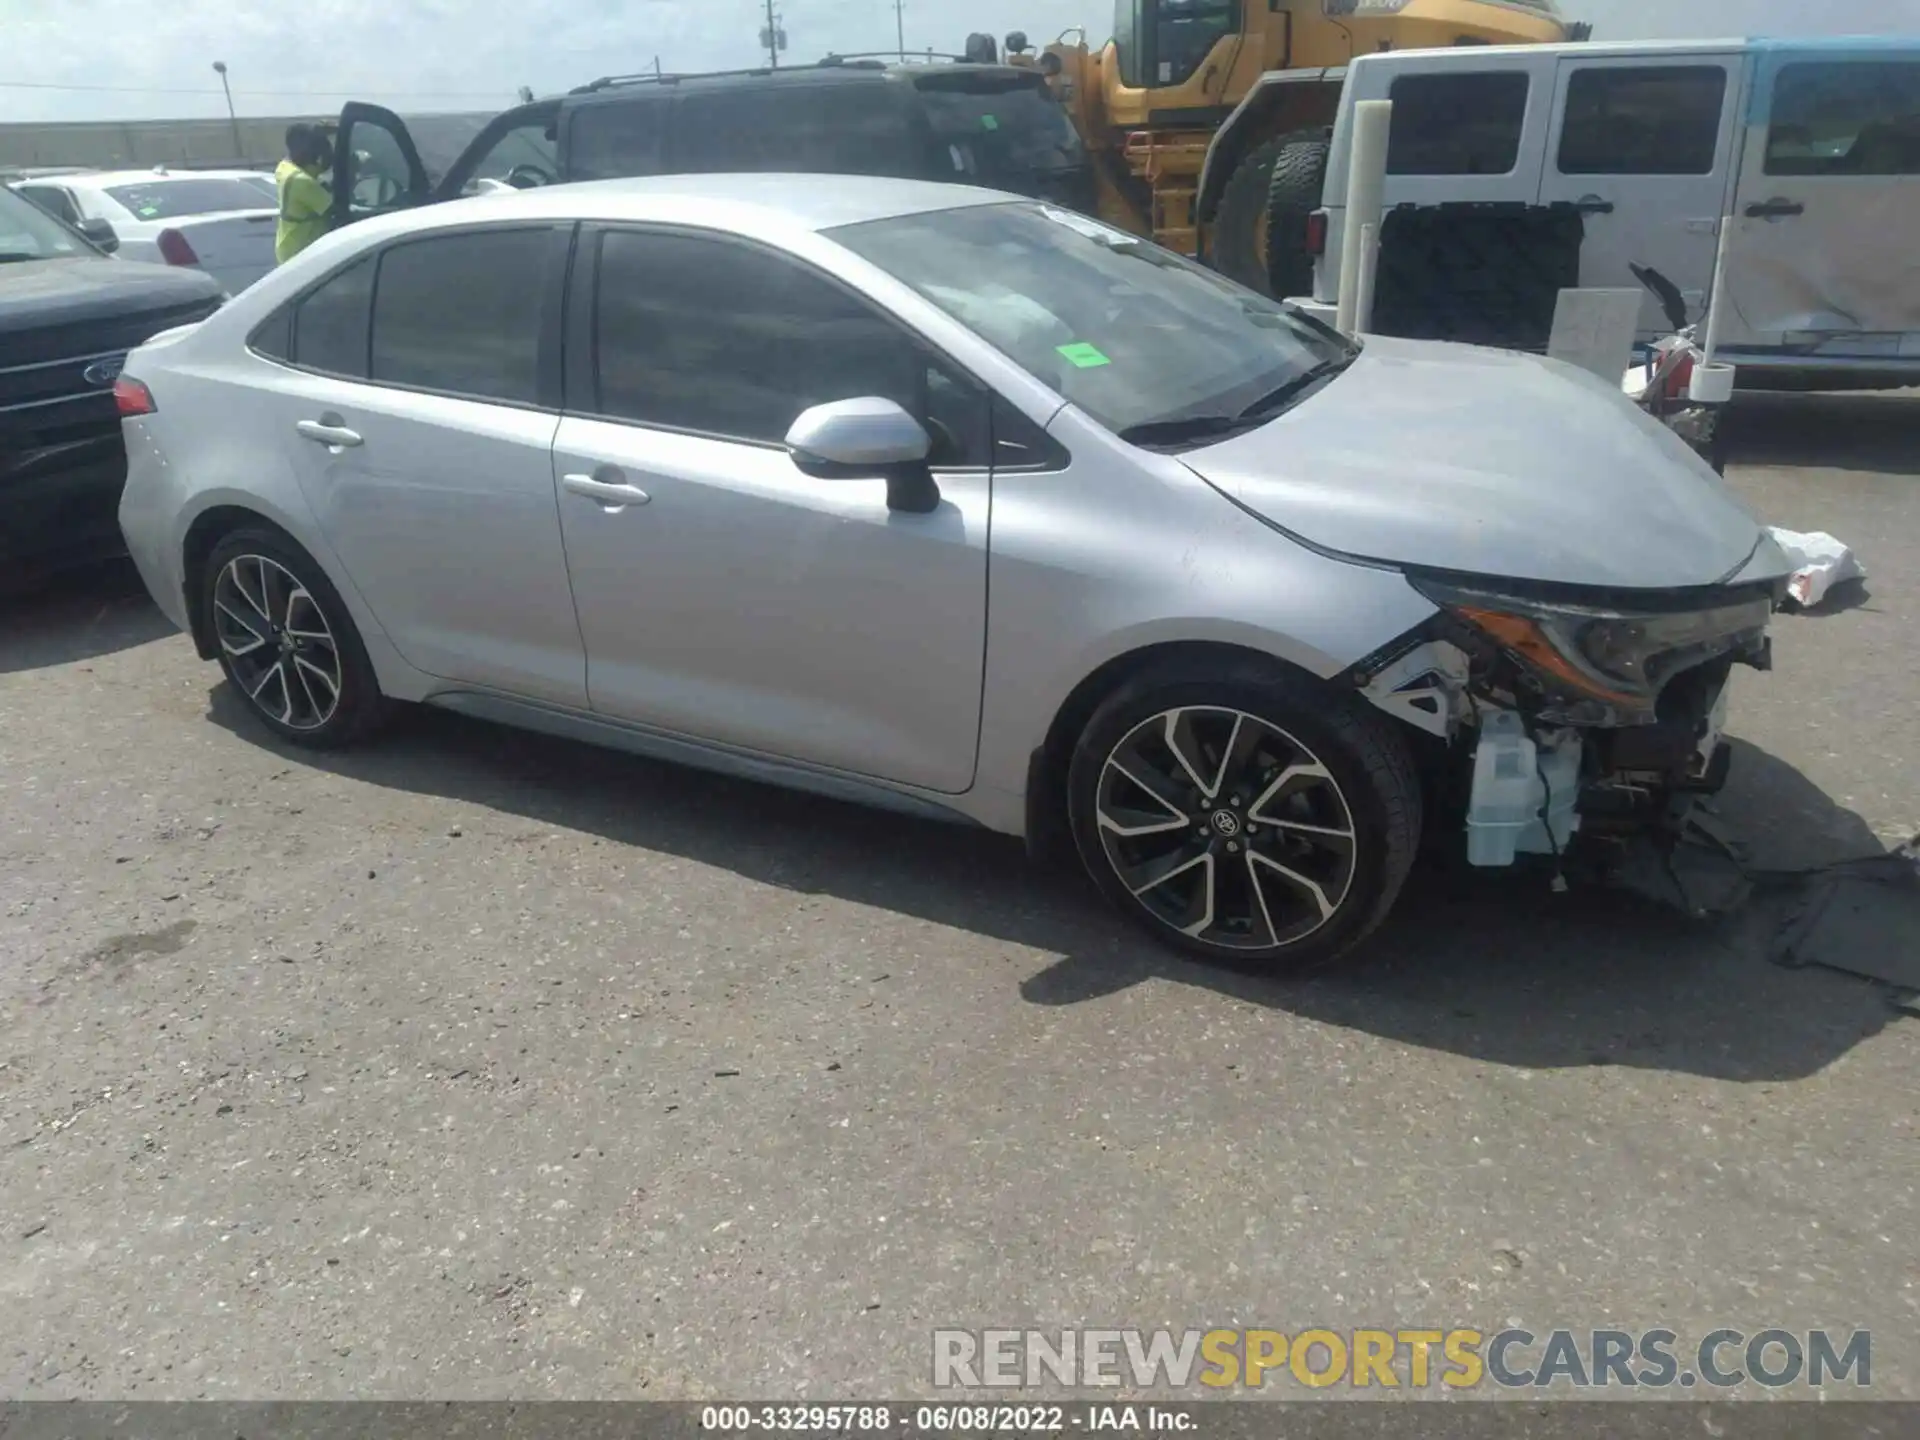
1086, 225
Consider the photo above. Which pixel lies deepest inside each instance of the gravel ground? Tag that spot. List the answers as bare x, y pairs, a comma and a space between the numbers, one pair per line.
475, 1064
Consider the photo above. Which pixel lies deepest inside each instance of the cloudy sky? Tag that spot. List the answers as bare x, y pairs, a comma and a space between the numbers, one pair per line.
151, 58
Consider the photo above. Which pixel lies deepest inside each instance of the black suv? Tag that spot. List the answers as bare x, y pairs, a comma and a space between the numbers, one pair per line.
993, 125
69, 313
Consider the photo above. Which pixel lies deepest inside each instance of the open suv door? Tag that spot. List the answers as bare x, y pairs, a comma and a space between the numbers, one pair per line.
382, 163
376, 167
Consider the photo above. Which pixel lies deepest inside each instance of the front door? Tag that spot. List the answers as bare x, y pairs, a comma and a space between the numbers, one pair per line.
1824, 261
725, 595
1645, 149
422, 434
376, 166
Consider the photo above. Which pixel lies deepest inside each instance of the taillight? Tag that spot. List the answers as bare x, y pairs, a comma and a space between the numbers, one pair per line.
1317, 233
174, 248
132, 398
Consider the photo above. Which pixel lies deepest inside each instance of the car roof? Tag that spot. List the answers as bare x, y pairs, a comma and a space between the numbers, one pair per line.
828, 72
764, 203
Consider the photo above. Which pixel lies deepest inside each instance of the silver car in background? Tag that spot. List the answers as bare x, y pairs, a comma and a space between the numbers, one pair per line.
969, 506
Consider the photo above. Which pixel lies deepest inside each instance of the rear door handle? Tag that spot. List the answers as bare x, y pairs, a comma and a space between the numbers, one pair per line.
1775, 209
328, 431
604, 489
1593, 205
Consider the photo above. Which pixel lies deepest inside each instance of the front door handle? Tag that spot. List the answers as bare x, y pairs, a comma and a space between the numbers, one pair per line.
1775, 209
328, 430
603, 489
1593, 205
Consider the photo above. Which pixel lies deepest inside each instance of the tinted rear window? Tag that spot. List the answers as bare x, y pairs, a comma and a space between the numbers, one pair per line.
857, 129
1009, 129
1461, 124
175, 199
461, 313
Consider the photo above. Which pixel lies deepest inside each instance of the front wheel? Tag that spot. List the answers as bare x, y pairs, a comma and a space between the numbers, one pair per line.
286, 642
1252, 818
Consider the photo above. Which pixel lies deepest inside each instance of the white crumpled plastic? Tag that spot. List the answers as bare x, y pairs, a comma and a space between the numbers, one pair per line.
1819, 562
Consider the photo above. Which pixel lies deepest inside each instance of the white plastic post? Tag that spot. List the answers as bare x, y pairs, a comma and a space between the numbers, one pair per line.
1366, 193
1369, 268
1717, 297
1712, 382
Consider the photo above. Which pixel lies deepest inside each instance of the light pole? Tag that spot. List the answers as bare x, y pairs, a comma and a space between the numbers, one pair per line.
900, 26
220, 67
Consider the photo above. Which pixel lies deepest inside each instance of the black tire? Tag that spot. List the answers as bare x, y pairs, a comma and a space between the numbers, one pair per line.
1239, 249
1278, 889
1243, 226
1294, 192
258, 585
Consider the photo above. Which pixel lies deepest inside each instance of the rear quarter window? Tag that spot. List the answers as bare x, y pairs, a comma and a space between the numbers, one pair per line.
1457, 123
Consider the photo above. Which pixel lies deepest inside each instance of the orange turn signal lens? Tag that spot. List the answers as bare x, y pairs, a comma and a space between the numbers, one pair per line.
1523, 637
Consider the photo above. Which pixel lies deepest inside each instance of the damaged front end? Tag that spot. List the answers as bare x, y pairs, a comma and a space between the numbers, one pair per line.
1566, 712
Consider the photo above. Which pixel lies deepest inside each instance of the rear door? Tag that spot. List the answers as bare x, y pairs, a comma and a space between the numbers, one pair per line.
1644, 147
1824, 259
376, 165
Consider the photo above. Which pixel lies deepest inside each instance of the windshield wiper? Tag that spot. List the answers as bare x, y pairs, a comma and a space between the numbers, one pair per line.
7, 256
1187, 427
1271, 403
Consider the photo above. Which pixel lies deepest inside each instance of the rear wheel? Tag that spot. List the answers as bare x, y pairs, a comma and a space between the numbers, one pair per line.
287, 643
1248, 817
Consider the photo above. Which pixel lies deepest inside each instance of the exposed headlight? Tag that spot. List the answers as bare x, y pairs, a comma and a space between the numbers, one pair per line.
1621, 658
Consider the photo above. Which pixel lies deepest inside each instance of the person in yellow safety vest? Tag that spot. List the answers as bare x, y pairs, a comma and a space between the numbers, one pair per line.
306, 204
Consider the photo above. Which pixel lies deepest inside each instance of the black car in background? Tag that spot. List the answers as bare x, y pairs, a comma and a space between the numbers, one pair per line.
69, 313
992, 125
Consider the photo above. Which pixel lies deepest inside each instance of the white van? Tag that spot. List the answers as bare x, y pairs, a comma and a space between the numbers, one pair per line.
1813, 146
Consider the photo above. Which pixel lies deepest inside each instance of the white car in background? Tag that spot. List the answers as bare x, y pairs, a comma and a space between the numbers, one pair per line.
219, 221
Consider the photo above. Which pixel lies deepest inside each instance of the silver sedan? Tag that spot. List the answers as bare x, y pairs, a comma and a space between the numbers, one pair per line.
965, 505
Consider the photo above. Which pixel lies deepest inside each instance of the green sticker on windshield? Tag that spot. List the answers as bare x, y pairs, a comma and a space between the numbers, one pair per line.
1087, 357
989, 122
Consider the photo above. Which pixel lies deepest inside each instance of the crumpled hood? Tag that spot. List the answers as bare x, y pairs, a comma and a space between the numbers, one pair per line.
1491, 463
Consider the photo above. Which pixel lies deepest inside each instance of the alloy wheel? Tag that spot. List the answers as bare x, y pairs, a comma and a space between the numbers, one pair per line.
1226, 828
277, 643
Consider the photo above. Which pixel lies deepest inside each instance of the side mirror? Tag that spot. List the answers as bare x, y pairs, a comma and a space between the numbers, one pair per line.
100, 234
865, 439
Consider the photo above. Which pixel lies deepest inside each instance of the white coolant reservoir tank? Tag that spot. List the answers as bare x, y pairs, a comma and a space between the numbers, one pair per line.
1506, 790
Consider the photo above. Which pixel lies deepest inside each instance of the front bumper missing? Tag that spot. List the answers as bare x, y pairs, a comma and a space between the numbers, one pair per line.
1636, 781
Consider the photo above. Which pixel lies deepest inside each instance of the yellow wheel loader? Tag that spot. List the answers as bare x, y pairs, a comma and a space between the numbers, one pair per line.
1207, 120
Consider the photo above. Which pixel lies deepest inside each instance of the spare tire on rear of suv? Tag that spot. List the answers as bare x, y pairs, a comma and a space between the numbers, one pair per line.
1252, 231
1294, 193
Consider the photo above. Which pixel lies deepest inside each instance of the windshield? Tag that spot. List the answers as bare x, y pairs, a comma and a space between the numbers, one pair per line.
172, 199
1132, 334
28, 233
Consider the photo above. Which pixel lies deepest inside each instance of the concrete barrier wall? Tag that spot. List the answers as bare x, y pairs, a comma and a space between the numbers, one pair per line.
115, 144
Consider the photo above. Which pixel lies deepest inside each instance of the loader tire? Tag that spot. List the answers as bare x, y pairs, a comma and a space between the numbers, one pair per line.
1240, 224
